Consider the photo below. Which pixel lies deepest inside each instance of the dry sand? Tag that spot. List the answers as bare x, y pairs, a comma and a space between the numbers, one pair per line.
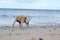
32, 33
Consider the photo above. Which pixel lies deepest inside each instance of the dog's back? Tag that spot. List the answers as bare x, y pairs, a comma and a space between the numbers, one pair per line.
21, 18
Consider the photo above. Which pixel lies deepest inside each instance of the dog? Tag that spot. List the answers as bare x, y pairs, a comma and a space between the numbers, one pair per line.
21, 20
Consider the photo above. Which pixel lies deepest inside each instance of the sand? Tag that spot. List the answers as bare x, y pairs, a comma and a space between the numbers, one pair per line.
32, 33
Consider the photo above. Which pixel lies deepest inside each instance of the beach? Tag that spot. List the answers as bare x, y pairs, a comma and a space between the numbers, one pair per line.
43, 25
31, 33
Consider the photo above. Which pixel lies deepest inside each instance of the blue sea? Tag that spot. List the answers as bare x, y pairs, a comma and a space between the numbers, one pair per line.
37, 16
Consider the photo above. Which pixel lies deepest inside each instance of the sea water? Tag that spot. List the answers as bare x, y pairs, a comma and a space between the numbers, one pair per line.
37, 16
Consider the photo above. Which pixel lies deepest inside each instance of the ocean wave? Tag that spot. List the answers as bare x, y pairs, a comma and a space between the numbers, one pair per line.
37, 17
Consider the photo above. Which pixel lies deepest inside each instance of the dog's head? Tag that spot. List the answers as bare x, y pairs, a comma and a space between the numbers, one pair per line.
27, 20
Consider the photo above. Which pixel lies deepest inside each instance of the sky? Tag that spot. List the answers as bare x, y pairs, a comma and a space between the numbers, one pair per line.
30, 4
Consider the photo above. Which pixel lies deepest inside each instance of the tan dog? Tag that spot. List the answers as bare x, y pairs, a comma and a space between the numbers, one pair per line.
21, 20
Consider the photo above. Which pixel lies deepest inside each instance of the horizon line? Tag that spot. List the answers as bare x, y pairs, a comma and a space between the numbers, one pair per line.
25, 9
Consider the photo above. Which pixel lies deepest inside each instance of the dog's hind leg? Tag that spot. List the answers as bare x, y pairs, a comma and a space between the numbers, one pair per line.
14, 23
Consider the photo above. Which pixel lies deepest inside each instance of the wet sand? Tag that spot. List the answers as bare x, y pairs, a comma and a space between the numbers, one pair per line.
32, 33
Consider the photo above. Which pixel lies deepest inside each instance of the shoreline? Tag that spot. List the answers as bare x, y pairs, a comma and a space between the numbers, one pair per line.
32, 33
